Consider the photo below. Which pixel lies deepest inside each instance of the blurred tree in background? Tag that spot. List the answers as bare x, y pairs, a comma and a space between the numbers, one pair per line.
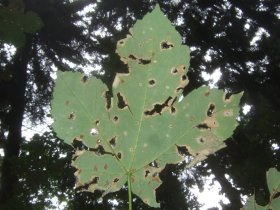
239, 38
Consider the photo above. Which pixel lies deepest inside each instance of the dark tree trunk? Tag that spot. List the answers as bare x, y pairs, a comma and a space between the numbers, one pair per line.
17, 90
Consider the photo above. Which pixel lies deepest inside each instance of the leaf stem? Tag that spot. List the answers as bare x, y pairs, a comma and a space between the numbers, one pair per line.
129, 190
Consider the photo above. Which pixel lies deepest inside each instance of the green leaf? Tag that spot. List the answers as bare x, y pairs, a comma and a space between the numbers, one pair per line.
138, 131
273, 183
14, 25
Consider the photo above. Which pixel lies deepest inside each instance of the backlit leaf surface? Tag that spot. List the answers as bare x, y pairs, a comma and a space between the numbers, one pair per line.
139, 130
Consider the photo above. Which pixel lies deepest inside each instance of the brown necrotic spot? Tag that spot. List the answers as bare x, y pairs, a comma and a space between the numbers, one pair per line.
97, 122
119, 155
210, 110
207, 93
116, 180
228, 113
71, 116
152, 82
67, 103
200, 139
105, 166
165, 45
144, 61
113, 141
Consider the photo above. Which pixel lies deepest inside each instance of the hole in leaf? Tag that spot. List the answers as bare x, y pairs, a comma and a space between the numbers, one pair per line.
119, 155
144, 61
116, 180
84, 79
132, 57
113, 141
95, 180
108, 98
78, 145
182, 150
157, 109
184, 77
210, 110
115, 119
166, 45
152, 82
174, 71
203, 126
227, 96
99, 151
71, 116
147, 172
154, 164
121, 102
173, 110
94, 132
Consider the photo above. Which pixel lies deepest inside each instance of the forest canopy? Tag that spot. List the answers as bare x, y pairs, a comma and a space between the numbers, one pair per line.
239, 39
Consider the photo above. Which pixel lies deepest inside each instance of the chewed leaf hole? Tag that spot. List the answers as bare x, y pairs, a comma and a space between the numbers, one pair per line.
182, 150
121, 101
95, 180
108, 98
165, 45
203, 126
94, 132
174, 71
144, 61
154, 164
147, 172
184, 77
84, 79
173, 110
152, 82
132, 57
78, 145
99, 151
121, 42
210, 110
113, 141
115, 119
119, 155
71, 116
